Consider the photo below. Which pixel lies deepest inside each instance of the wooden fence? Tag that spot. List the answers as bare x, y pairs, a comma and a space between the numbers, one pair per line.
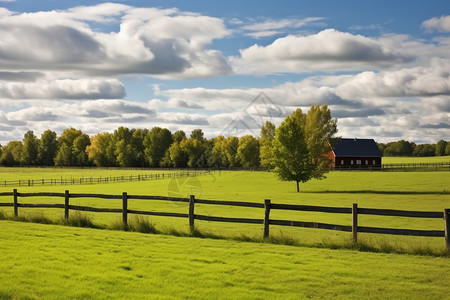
97, 180
266, 221
396, 167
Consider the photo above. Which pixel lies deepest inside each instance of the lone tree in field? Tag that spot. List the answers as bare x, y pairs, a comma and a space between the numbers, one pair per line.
301, 145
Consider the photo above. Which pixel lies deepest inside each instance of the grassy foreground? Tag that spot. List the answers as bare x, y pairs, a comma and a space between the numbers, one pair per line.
55, 262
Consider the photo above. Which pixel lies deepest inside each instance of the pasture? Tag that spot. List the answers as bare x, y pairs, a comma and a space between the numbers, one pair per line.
425, 191
54, 262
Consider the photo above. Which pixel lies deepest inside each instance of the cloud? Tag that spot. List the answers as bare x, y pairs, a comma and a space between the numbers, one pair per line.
272, 27
407, 82
21, 76
441, 24
327, 50
166, 43
60, 89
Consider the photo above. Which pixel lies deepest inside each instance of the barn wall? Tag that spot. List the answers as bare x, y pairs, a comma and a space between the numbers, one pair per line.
357, 161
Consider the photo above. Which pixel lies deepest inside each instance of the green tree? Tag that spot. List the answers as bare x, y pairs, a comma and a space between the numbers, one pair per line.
11, 153
218, 156
248, 151
68, 153
197, 134
265, 143
29, 155
80, 156
128, 146
320, 128
156, 143
48, 146
231, 146
137, 141
100, 151
178, 136
300, 147
178, 156
447, 149
193, 149
440, 148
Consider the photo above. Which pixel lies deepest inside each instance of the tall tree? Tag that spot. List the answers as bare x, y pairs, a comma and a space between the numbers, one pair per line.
178, 136
11, 153
320, 128
265, 144
218, 156
300, 145
440, 148
29, 153
156, 143
248, 151
48, 146
68, 153
99, 152
231, 146
178, 156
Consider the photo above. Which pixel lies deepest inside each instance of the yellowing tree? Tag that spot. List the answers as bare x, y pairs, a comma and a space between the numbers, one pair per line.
301, 145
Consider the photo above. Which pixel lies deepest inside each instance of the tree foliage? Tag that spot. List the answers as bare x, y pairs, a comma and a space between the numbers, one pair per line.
265, 144
301, 145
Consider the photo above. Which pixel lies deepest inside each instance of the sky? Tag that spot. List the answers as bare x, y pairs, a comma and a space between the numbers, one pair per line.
382, 67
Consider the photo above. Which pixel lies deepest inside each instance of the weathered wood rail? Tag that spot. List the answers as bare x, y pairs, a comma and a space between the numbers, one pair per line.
98, 180
268, 206
411, 167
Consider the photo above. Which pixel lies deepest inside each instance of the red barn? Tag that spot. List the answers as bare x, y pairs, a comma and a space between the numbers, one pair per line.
355, 154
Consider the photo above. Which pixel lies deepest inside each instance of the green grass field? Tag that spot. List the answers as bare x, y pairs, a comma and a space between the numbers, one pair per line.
55, 262
424, 191
415, 160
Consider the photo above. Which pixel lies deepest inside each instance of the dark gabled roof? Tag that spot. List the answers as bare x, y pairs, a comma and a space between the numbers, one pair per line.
357, 147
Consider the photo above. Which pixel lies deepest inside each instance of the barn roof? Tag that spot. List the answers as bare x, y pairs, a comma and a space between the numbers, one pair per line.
357, 147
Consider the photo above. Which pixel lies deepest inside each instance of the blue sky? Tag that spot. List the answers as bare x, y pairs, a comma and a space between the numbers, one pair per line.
382, 67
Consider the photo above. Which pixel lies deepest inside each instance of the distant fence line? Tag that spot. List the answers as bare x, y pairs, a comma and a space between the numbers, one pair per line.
355, 228
411, 167
98, 180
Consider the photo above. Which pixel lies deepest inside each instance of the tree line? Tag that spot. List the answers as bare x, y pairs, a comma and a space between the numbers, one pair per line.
405, 148
160, 148
157, 147
296, 150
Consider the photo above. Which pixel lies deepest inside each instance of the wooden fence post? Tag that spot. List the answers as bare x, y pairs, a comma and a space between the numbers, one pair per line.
266, 217
66, 204
355, 222
447, 228
125, 209
191, 212
16, 212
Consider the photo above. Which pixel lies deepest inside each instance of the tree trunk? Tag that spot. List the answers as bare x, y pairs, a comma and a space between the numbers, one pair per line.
298, 189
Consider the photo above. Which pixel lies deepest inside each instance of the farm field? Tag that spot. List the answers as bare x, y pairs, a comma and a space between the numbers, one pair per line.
55, 262
416, 160
425, 191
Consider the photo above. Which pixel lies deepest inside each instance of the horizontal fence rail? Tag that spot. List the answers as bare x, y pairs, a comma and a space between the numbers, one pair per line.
98, 180
266, 221
410, 167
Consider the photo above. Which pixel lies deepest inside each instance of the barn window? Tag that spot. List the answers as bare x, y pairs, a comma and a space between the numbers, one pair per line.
367, 162
358, 161
351, 162
373, 162
342, 161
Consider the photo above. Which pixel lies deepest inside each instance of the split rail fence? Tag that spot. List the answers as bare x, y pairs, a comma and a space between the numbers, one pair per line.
441, 167
355, 228
97, 180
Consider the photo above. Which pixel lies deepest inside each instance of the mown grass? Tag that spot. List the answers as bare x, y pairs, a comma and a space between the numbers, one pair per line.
408, 191
54, 262
415, 160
